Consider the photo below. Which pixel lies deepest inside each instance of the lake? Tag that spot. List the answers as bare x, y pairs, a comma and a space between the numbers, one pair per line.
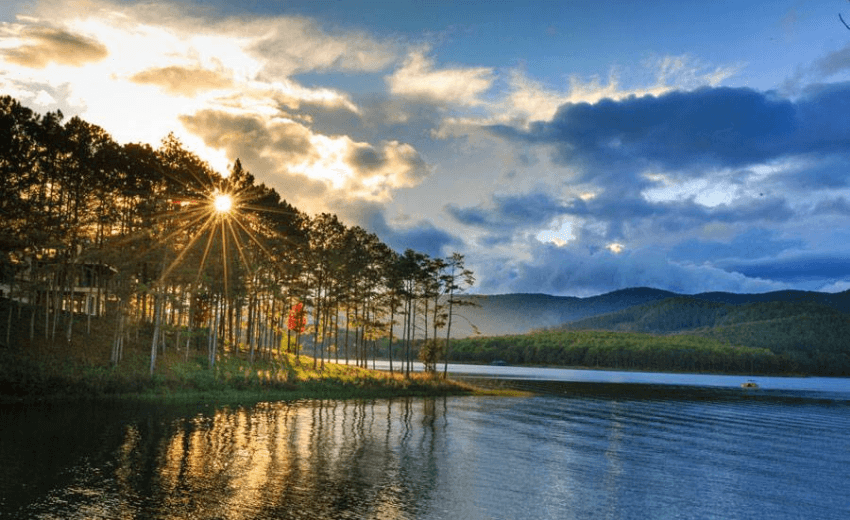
590, 444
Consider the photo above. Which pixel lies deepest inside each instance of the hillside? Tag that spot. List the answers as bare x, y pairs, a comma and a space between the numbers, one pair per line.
809, 335
808, 332
494, 315
636, 309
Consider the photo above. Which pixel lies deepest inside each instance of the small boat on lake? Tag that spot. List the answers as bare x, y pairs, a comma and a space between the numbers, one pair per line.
749, 384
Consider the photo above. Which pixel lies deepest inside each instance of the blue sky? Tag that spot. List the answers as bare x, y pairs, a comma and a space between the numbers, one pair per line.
570, 148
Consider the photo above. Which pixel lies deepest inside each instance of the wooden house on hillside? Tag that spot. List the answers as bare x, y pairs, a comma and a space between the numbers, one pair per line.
81, 287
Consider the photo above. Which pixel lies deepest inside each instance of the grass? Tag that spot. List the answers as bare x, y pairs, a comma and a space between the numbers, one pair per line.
233, 380
80, 370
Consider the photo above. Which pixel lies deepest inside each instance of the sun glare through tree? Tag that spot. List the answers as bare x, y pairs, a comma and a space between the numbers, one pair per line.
222, 202
189, 262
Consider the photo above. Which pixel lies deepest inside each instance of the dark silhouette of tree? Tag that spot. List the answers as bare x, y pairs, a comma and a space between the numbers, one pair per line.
138, 223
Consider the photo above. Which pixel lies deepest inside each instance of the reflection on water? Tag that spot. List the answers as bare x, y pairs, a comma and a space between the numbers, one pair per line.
316, 459
547, 456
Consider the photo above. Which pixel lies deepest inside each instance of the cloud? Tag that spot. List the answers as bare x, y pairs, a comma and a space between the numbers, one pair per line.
806, 267
524, 100
422, 236
832, 206
291, 45
42, 45
713, 126
833, 62
714, 154
580, 271
279, 45
612, 216
830, 64
510, 211
283, 150
754, 243
419, 79
183, 81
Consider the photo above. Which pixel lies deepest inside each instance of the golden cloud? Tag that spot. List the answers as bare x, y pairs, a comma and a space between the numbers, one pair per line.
183, 81
291, 153
418, 78
44, 45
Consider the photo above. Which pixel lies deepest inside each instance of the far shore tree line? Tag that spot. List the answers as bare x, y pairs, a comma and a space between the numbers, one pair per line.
620, 351
131, 236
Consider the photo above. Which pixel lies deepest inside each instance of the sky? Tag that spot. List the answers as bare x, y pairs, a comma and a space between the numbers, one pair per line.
568, 148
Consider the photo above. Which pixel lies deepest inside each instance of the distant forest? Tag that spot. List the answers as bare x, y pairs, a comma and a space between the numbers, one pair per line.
618, 350
167, 251
786, 332
807, 336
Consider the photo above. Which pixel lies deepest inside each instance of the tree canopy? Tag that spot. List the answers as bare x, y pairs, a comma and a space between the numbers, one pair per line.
243, 278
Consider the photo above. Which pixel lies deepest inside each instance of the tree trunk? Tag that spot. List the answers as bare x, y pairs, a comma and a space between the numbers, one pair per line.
448, 336
390, 344
157, 320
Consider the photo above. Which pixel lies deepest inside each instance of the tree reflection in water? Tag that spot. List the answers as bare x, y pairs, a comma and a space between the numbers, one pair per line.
320, 459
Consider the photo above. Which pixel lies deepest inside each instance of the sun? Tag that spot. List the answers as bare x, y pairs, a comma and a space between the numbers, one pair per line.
222, 203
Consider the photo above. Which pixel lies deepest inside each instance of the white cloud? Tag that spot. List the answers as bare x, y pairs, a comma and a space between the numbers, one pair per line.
560, 233
140, 69
419, 78
526, 100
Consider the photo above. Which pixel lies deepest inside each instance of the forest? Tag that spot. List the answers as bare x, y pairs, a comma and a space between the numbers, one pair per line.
154, 246
619, 350
806, 331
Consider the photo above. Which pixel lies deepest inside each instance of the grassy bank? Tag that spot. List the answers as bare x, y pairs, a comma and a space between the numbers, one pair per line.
57, 369
233, 380
25, 375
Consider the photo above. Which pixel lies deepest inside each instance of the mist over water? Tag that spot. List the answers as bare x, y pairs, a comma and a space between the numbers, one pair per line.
547, 456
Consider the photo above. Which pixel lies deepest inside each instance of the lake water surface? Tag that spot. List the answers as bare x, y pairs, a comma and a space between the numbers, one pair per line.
618, 449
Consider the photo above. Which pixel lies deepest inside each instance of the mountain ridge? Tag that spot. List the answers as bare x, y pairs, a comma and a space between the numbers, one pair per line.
519, 313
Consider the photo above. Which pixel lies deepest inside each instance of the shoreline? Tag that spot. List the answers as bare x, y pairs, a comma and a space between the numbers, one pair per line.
232, 381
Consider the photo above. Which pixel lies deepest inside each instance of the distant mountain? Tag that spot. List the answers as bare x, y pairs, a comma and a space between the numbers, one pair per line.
837, 301
494, 315
684, 313
810, 330
639, 309
806, 332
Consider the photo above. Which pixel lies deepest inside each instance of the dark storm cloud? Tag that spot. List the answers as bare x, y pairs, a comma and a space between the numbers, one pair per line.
751, 244
801, 268
423, 236
617, 210
687, 131
475, 216
766, 209
511, 211
622, 213
825, 127
726, 126
583, 271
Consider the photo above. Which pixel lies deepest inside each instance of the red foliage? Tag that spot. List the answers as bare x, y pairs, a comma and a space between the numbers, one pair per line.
297, 318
